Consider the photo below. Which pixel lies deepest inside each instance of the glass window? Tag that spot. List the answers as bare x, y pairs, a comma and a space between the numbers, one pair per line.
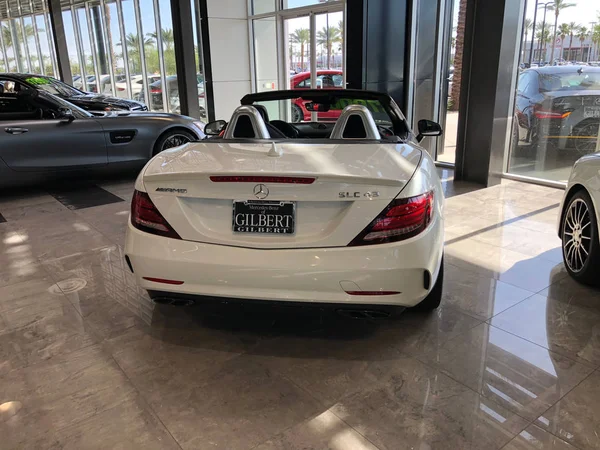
299, 3
263, 6
557, 106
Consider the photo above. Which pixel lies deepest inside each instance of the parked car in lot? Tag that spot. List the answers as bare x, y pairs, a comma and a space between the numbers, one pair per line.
12, 82
46, 137
558, 107
156, 94
137, 84
347, 213
326, 79
579, 218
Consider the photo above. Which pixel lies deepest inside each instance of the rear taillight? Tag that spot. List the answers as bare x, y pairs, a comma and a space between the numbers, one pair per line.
541, 113
155, 91
120, 89
402, 219
145, 217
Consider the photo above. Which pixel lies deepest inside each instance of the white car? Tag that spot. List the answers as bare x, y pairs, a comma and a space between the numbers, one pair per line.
137, 84
578, 220
347, 212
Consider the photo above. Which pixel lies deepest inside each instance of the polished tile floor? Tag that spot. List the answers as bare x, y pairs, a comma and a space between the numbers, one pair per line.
509, 361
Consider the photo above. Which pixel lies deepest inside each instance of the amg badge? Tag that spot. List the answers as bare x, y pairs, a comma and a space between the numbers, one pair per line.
173, 190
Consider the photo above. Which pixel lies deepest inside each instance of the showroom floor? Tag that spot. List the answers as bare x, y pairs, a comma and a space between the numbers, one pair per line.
87, 361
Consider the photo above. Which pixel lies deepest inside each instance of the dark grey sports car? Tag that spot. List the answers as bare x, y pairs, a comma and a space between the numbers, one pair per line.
44, 137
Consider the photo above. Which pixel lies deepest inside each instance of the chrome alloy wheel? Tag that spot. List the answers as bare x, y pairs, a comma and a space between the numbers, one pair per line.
175, 140
578, 235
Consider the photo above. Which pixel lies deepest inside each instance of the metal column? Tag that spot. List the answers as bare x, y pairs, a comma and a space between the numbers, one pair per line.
108, 47
50, 39
138, 20
124, 47
38, 46
492, 38
313, 59
26, 45
161, 57
94, 48
79, 45
185, 58
60, 41
3, 48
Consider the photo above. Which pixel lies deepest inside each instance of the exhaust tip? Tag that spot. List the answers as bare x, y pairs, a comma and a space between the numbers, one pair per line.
173, 301
359, 314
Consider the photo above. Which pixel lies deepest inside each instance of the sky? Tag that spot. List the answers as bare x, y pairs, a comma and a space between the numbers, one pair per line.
585, 12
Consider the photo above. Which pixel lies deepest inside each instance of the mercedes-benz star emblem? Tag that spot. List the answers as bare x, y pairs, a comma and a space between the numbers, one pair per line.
261, 191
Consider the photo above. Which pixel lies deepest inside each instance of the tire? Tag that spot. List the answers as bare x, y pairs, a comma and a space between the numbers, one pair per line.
172, 138
579, 233
433, 300
297, 114
586, 131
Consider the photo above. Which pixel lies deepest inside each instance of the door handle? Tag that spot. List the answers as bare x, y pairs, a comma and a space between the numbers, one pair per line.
16, 130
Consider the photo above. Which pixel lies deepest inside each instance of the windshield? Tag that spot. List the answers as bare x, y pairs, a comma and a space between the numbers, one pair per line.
53, 86
76, 110
580, 80
300, 110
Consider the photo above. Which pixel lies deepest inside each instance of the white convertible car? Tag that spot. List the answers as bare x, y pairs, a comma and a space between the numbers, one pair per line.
343, 209
578, 220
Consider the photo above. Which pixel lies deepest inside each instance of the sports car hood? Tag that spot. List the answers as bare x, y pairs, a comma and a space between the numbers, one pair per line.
90, 101
141, 114
381, 164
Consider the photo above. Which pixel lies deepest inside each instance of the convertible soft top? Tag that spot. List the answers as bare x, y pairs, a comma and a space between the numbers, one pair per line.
318, 94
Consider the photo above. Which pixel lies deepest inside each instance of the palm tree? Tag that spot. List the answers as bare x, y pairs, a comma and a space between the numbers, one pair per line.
582, 34
558, 6
596, 40
132, 41
327, 37
7, 36
458, 56
544, 40
572, 29
167, 38
526, 29
301, 36
563, 31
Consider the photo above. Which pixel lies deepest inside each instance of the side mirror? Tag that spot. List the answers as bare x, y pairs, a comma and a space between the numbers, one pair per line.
215, 128
66, 115
428, 128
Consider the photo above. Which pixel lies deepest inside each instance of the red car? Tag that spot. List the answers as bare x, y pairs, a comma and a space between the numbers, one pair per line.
326, 79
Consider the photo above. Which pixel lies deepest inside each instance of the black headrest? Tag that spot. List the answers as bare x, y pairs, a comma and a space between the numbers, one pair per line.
355, 128
263, 112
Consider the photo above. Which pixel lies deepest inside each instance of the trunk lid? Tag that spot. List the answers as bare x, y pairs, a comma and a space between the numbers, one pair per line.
348, 186
580, 104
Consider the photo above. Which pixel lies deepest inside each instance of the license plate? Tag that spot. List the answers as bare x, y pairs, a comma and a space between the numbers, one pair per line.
591, 111
264, 217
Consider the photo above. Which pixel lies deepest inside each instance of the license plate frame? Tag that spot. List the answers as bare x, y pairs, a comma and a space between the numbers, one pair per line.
251, 222
591, 112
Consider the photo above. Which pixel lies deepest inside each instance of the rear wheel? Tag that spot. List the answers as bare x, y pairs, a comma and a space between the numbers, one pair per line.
297, 114
587, 136
433, 300
581, 251
172, 138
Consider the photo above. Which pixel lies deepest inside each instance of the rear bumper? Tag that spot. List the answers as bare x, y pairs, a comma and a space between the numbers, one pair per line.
291, 275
